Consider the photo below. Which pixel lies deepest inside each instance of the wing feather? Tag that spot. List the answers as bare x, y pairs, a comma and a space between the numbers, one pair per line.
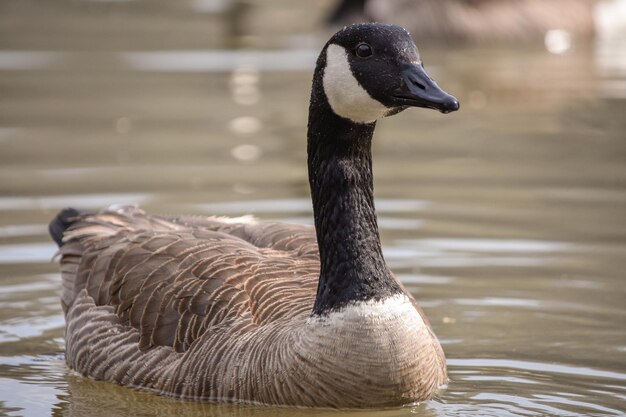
173, 279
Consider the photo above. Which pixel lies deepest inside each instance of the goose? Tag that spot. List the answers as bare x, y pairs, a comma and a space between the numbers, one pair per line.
480, 21
240, 310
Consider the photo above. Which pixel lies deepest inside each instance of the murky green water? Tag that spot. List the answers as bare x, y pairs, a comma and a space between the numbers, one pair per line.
506, 219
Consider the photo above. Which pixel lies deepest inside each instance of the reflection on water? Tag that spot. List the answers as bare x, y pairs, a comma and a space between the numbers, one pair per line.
233, 208
204, 61
26, 252
506, 219
91, 201
28, 60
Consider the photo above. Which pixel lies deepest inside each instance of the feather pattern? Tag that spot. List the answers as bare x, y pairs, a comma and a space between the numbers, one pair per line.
172, 279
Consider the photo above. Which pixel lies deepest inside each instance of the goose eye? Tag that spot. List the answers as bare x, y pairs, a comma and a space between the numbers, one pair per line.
363, 50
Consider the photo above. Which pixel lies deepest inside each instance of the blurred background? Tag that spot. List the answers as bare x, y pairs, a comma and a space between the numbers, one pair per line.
506, 219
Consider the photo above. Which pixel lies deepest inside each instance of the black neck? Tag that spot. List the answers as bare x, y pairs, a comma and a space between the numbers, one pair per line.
340, 176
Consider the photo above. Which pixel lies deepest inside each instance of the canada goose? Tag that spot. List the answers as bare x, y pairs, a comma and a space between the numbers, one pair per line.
246, 311
477, 20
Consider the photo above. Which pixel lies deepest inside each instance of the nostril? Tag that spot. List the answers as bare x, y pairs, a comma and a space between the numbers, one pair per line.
418, 84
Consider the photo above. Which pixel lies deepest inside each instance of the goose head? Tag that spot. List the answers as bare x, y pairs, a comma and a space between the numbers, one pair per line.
373, 70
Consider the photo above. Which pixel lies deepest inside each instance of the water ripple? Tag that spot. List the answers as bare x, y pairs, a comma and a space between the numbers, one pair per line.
27, 253
536, 366
220, 60
58, 202
302, 205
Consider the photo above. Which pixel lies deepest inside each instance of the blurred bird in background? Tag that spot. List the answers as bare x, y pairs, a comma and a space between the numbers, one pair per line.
491, 21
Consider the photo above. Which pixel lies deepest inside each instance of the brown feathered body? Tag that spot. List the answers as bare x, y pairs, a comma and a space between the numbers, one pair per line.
215, 309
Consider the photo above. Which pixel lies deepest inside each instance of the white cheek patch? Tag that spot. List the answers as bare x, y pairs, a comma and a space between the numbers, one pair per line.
345, 95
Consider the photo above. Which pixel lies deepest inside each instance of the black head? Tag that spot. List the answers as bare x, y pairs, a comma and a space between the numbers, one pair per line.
372, 70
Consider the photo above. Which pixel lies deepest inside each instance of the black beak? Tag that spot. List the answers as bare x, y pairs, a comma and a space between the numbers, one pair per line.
419, 90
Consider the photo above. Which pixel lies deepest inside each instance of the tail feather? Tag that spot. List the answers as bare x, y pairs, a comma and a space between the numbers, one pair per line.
61, 223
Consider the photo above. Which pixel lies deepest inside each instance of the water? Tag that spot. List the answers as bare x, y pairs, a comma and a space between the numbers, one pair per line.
506, 219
